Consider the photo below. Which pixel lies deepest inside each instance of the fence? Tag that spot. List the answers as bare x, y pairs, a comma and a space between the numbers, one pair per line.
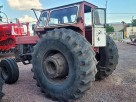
116, 35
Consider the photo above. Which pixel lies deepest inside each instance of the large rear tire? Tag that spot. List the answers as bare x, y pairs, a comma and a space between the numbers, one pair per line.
64, 64
10, 70
107, 59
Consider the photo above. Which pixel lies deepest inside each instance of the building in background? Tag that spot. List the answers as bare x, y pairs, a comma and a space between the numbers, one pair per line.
119, 30
117, 26
130, 31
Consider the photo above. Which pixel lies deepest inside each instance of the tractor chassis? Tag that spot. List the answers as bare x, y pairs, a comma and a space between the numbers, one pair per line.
24, 49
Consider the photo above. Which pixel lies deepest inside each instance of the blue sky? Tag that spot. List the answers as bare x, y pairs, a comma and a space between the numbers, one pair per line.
113, 6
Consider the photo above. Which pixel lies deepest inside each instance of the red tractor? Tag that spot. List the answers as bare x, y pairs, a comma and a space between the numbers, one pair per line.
9, 31
69, 52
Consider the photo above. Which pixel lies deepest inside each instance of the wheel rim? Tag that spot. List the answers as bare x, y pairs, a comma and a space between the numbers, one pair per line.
4, 73
55, 66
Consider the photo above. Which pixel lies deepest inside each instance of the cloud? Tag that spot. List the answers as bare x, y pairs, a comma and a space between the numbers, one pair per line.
24, 4
27, 18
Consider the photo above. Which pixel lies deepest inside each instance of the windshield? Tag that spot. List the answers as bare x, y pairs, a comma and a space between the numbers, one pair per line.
42, 19
99, 17
65, 15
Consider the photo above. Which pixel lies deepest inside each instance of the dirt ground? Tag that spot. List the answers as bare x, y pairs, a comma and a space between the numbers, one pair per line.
119, 87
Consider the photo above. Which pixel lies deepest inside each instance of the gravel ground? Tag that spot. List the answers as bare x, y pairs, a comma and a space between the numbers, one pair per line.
119, 87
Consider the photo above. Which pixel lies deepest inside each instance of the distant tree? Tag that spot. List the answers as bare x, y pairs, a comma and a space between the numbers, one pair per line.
123, 22
109, 28
134, 22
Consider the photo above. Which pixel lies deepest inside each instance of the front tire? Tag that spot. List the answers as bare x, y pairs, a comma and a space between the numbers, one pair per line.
107, 59
64, 64
10, 70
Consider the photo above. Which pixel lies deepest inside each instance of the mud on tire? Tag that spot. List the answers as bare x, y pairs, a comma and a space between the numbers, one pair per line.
107, 59
69, 49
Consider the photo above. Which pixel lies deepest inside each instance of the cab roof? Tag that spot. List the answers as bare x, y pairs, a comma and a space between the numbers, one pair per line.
77, 3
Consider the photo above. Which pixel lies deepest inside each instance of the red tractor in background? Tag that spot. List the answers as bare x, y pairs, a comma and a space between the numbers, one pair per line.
8, 34
69, 52
9, 31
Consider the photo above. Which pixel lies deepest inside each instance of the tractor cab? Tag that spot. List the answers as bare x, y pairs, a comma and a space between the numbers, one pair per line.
82, 17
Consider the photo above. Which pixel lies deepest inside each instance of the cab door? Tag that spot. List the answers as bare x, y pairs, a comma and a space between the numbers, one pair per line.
98, 27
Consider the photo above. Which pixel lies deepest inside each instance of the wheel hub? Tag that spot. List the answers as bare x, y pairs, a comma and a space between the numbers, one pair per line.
55, 66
